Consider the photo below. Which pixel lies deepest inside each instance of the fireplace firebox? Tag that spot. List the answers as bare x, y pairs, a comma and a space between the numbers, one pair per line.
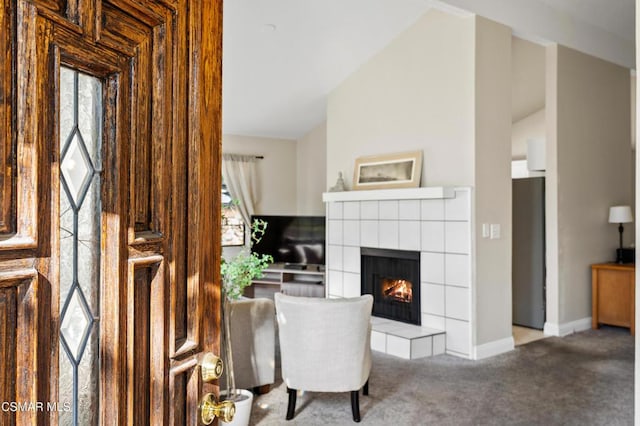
392, 277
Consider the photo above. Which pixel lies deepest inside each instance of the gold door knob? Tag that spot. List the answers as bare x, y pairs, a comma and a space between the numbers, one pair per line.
211, 367
210, 409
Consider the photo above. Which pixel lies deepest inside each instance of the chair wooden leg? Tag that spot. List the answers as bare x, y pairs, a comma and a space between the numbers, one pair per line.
291, 408
365, 388
355, 406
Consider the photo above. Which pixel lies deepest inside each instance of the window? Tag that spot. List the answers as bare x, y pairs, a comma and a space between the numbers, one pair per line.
232, 223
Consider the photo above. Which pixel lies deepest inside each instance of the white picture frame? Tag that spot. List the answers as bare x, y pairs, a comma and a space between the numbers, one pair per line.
399, 170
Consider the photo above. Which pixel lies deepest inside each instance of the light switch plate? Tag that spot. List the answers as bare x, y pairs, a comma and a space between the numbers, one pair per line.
495, 231
485, 230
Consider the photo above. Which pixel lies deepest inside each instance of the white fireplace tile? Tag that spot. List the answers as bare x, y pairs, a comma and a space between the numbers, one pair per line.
432, 299
335, 257
457, 303
457, 238
398, 346
335, 232
458, 208
432, 210
438, 344
376, 321
369, 210
409, 210
409, 235
351, 210
432, 236
351, 233
422, 347
389, 210
403, 329
369, 233
335, 283
457, 270
410, 331
335, 210
457, 336
395, 327
432, 268
433, 321
351, 284
351, 259
378, 341
388, 234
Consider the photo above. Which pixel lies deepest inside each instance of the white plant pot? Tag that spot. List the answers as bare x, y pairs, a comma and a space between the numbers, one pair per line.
243, 409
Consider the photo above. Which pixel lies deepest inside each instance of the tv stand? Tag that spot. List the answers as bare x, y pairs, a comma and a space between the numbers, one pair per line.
296, 266
280, 277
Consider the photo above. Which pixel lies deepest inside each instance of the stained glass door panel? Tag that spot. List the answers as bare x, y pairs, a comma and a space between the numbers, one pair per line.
80, 166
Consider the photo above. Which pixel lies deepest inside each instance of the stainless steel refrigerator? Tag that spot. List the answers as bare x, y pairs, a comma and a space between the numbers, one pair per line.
528, 266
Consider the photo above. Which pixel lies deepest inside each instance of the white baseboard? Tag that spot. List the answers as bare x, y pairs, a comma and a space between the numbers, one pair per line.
494, 348
458, 354
551, 329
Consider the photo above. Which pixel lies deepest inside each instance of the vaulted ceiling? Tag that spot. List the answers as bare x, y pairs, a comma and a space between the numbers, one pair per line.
282, 57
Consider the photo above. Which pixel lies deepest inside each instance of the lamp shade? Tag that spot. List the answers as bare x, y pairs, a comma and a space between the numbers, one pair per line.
620, 214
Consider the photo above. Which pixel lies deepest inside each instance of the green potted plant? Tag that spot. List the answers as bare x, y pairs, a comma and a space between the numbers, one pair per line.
237, 274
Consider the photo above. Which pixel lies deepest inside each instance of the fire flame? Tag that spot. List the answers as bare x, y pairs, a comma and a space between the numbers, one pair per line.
399, 290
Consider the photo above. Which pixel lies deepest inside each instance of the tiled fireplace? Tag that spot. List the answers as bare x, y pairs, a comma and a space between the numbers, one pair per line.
435, 223
393, 278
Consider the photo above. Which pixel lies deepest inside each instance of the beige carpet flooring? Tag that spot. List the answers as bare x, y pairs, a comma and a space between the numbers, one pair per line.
582, 379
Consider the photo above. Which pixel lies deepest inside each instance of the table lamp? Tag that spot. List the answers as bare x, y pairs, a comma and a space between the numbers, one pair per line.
620, 215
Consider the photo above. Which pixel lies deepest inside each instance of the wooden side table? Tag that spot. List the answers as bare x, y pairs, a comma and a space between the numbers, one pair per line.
613, 295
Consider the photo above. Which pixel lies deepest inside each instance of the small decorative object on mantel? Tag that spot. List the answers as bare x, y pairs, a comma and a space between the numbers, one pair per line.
339, 186
620, 215
401, 170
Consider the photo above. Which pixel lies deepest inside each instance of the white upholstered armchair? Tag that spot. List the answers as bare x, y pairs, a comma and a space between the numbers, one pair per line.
325, 346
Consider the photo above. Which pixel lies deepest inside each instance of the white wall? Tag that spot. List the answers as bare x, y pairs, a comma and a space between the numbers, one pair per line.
493, 184
527, 78
633, 112
277, 186
311, 171
443, 87
588, 170
415, 94
530, 127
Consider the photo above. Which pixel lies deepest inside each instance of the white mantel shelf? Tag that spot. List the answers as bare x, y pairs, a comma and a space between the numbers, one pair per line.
432, 192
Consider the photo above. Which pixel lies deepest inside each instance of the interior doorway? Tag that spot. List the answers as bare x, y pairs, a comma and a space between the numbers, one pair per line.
528, 191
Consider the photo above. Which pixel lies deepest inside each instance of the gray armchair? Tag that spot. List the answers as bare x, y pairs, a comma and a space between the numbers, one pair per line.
253, 343
325, 346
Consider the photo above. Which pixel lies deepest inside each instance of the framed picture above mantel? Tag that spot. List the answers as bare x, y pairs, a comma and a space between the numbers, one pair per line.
387, 171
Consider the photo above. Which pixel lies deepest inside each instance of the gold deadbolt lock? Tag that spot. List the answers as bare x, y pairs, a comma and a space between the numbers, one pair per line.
210, 408
211, 367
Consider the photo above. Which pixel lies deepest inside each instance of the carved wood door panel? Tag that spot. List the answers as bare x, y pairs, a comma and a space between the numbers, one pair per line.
110, 131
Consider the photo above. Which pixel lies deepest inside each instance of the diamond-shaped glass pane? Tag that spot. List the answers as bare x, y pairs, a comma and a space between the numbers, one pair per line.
76, 169
76, 323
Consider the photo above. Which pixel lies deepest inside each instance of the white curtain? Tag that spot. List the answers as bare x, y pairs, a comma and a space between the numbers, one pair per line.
239, 174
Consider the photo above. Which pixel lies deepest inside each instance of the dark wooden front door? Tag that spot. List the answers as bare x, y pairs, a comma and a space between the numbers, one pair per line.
109, 222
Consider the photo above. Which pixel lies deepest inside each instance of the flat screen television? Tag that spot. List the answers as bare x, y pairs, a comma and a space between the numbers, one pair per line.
294, 240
